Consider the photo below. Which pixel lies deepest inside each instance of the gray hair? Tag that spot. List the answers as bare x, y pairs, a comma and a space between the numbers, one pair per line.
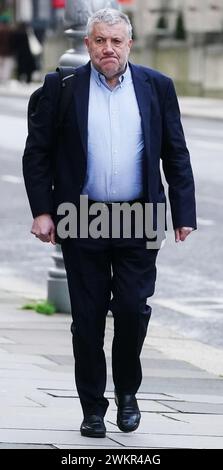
109, 16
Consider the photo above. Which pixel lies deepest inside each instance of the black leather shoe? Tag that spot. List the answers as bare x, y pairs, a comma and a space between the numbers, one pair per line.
93, 426
128, 415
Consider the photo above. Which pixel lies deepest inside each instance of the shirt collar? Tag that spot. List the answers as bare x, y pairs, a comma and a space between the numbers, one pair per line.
101, 80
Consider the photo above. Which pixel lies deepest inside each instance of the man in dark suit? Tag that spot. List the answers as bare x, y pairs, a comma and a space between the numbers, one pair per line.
122, 120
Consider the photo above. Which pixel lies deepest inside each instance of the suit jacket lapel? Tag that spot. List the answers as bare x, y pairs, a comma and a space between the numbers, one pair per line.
81, 98
143, 91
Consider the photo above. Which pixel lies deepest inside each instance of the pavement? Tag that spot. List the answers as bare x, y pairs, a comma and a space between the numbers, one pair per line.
181, 396
181, 402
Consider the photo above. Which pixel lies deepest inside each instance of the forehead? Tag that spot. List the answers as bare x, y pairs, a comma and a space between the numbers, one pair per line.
106, 30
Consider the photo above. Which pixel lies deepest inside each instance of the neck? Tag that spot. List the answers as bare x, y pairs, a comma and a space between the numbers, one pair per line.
112, 82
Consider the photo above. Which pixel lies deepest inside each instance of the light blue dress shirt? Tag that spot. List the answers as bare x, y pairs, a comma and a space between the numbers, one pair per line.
115, 141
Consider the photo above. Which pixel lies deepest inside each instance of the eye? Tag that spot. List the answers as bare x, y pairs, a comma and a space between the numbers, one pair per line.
117, 41
99, 40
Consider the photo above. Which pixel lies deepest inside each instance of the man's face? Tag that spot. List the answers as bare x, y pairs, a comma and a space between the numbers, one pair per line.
109, 47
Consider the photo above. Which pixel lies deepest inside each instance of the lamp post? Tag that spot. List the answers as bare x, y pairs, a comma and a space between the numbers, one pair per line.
77, 13
76, 17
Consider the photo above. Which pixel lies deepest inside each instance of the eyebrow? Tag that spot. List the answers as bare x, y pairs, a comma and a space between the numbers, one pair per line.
113, 37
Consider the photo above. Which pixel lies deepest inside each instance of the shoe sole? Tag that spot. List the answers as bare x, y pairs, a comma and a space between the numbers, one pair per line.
87, 434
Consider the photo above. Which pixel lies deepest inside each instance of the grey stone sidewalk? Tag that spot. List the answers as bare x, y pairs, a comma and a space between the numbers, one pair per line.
181, 404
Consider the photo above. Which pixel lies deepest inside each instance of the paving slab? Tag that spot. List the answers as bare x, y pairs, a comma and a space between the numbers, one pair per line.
43, 349
41, 418
24, 446
196, 407
201, 398
176, 373
2, 351
27, 325
182, 385
160, 362
4, 340
28, 374
17, 402
60, 337
11, 358
206, 424
166, 441
37, 436
10, 366
84, 446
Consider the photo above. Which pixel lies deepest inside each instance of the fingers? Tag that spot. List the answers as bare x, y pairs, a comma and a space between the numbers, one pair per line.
177, 235
182, 233
43, 228
46, 238
52, 237
42, 236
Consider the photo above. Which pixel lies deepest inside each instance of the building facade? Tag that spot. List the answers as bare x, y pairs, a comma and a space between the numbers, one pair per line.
149, 16
199, 16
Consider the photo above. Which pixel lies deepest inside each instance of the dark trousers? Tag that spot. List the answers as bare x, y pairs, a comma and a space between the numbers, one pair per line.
95, 268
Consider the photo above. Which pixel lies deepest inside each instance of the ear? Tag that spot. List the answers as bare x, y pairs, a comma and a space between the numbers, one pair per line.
130, 43
86, 41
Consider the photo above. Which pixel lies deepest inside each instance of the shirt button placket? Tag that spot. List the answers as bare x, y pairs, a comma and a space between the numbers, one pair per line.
114, 137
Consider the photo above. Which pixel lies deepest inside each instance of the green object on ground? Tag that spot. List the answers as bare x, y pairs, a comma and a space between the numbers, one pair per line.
41, 306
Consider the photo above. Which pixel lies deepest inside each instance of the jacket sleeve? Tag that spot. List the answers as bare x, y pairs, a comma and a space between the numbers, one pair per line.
38, 153
176, 164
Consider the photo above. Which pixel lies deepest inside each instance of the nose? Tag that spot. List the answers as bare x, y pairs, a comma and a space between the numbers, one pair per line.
108, 49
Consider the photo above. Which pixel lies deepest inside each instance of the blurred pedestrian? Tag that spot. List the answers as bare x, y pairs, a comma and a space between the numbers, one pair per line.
25, 59
6, 51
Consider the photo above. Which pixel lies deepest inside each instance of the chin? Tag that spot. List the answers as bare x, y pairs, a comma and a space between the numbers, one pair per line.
109, 73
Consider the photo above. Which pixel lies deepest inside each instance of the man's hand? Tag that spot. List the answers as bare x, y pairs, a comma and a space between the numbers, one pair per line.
44, 228
182, 233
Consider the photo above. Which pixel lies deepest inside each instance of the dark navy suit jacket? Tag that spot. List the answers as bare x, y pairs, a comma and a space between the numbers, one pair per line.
54, 166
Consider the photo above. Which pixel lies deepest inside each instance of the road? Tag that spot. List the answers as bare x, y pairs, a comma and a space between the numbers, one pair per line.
24, 262
189, 292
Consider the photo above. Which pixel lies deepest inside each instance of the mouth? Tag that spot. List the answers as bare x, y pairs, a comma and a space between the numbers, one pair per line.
109, 59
